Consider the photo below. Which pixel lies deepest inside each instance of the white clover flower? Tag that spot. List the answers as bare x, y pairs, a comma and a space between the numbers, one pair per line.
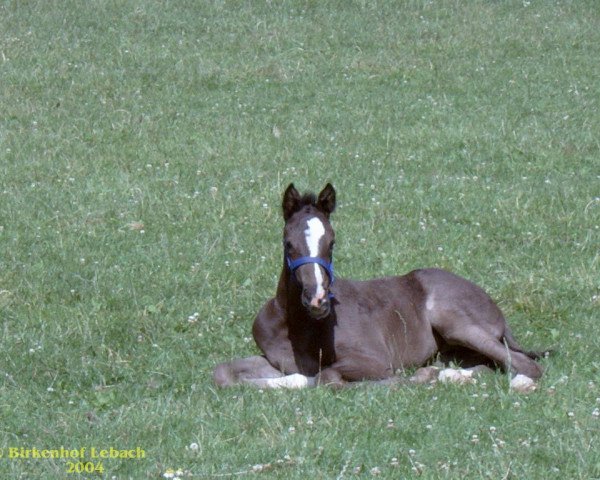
375, 471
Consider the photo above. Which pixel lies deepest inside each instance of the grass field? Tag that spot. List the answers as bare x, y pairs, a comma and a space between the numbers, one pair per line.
144, 148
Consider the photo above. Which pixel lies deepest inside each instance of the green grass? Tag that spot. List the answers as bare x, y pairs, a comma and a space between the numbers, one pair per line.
144, 148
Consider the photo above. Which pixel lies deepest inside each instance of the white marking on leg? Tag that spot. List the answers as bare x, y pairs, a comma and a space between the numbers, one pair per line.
296, 380
314, 233
459, 376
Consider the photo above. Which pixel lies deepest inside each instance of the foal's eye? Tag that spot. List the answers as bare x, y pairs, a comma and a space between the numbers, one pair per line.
287, 245
331, 245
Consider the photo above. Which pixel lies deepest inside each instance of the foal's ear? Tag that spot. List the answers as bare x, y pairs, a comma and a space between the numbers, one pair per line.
291, 201
326, 200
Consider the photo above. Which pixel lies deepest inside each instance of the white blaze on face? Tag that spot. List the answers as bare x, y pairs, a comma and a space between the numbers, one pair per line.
314, 233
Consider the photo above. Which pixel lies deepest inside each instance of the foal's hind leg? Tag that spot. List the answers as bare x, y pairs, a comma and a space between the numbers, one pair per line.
258, 372
244, 370
481, 341
464, 315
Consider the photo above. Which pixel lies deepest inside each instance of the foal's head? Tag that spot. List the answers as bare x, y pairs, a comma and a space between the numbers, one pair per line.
308, 242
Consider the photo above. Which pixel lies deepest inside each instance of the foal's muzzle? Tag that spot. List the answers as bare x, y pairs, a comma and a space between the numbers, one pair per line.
318, 307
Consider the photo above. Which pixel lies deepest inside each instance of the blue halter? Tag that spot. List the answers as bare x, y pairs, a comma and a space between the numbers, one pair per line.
328, 266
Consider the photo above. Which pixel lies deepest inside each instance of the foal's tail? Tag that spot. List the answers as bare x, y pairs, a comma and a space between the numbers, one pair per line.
514, 345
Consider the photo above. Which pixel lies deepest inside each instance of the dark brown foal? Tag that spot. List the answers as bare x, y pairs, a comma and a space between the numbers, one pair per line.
322, 330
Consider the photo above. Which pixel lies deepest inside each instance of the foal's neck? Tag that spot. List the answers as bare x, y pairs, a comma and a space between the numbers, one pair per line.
289, 296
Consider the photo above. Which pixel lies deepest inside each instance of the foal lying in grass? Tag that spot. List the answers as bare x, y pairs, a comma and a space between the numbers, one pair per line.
323, 330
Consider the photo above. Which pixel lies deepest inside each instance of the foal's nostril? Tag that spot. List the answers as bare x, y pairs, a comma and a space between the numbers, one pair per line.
306, 299
319, 302
317, 306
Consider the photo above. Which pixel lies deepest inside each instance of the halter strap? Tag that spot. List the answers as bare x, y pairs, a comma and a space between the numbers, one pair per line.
328, 266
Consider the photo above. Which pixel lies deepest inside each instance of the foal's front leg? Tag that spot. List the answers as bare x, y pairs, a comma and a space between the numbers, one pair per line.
363, 366
258, 372
333, 378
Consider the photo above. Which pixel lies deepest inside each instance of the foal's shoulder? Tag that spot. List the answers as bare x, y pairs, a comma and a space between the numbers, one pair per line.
271, 309
269, 318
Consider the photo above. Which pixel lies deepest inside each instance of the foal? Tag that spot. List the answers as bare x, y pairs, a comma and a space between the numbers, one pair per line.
321, 330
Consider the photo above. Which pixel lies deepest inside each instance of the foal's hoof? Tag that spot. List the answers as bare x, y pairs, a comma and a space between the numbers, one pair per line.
425, 375
459, 376
522, 384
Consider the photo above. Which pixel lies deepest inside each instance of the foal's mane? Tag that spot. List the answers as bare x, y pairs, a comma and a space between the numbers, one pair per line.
308, 199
